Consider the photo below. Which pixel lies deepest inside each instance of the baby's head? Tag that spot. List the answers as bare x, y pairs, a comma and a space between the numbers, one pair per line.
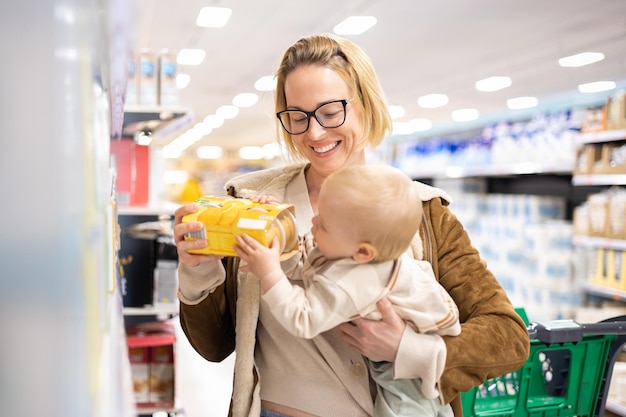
373, 205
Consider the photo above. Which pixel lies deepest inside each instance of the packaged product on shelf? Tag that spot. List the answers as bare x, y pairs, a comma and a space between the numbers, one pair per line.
148, 81
616, 217
140, 371
162, 375
168, 93
597, 212
614, 158
132, 84
616, 111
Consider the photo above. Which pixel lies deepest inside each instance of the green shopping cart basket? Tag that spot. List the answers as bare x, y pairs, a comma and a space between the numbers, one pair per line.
567, 373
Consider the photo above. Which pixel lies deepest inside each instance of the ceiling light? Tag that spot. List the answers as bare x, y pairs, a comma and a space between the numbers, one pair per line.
522, 103
421, 124
493, 84
202, 129
596, 87
214, 121
182, 80
190, 56
227, 112
209, 152
432, 101
266, 83
465, 115
251, 152
355, 25
245, 99
396, 111
270, 150
213, 17
581, 59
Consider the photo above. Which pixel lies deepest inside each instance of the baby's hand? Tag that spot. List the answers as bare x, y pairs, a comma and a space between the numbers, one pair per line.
261, 261
264, 199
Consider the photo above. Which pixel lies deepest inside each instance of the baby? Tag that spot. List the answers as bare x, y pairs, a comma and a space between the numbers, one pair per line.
354, 256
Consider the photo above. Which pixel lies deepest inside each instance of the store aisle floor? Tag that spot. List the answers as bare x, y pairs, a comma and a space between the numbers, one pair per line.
203, 388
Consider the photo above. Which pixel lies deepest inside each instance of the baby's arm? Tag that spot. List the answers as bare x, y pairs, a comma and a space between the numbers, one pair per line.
261, 261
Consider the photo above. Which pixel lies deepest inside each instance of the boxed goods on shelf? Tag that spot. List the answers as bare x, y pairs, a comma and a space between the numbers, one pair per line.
616, 111
602, 215
613, 158
152, 356
589, 159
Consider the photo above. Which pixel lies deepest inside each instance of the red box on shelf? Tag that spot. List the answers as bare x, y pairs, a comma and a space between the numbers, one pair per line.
132, 163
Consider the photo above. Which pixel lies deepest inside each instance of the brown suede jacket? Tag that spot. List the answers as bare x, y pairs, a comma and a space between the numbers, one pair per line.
493, 339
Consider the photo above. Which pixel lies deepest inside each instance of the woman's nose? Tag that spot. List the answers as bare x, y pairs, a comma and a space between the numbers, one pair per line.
316, 130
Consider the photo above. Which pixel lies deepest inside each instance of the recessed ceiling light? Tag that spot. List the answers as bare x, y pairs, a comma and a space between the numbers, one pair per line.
581, 59
213, 17
465, 115
209, 152
355, 25
182, 80
421, 124
266, 83
190, 56
596, 87
245, 99
433, 101
396, 111
518, 103
251, 152
227, 112
214, 121
493, 84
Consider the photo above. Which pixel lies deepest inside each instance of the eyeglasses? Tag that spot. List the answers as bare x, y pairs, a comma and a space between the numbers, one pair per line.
329, 115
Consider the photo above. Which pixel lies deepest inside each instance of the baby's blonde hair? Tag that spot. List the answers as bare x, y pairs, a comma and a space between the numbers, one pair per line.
380, 206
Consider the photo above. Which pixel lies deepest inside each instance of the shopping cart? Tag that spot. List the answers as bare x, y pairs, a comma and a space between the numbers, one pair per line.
567, 374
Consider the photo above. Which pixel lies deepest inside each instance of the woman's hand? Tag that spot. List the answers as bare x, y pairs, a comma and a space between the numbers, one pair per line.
182, 245
377, 340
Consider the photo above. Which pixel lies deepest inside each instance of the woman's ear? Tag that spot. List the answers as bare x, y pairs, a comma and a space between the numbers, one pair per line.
366, 252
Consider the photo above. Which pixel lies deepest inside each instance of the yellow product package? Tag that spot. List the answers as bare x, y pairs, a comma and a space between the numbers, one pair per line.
224, 218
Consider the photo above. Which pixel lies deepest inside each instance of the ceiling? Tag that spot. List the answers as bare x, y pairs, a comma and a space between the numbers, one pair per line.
417, 47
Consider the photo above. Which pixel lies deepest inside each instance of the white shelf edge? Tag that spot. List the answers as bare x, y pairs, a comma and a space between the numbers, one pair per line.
151, 310
599, 179
599, 242
602, 136
519, 168
606, 292
166, 208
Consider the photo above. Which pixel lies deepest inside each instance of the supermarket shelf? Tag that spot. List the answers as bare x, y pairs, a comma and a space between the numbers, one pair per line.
163, 209
161, 412
152, 311
520, 168
599, 242
606, 292
161, 122
599, 179
603, 136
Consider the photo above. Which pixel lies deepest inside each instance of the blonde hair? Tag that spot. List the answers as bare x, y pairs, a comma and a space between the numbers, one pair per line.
380, 205
354, 67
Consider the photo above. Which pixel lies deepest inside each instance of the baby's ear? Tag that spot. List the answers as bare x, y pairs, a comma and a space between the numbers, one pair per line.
366, 252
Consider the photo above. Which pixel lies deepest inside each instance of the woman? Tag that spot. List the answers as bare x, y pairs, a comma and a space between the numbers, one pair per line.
330, 107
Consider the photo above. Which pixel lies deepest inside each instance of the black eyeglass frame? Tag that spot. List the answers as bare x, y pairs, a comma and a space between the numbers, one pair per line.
310, 114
